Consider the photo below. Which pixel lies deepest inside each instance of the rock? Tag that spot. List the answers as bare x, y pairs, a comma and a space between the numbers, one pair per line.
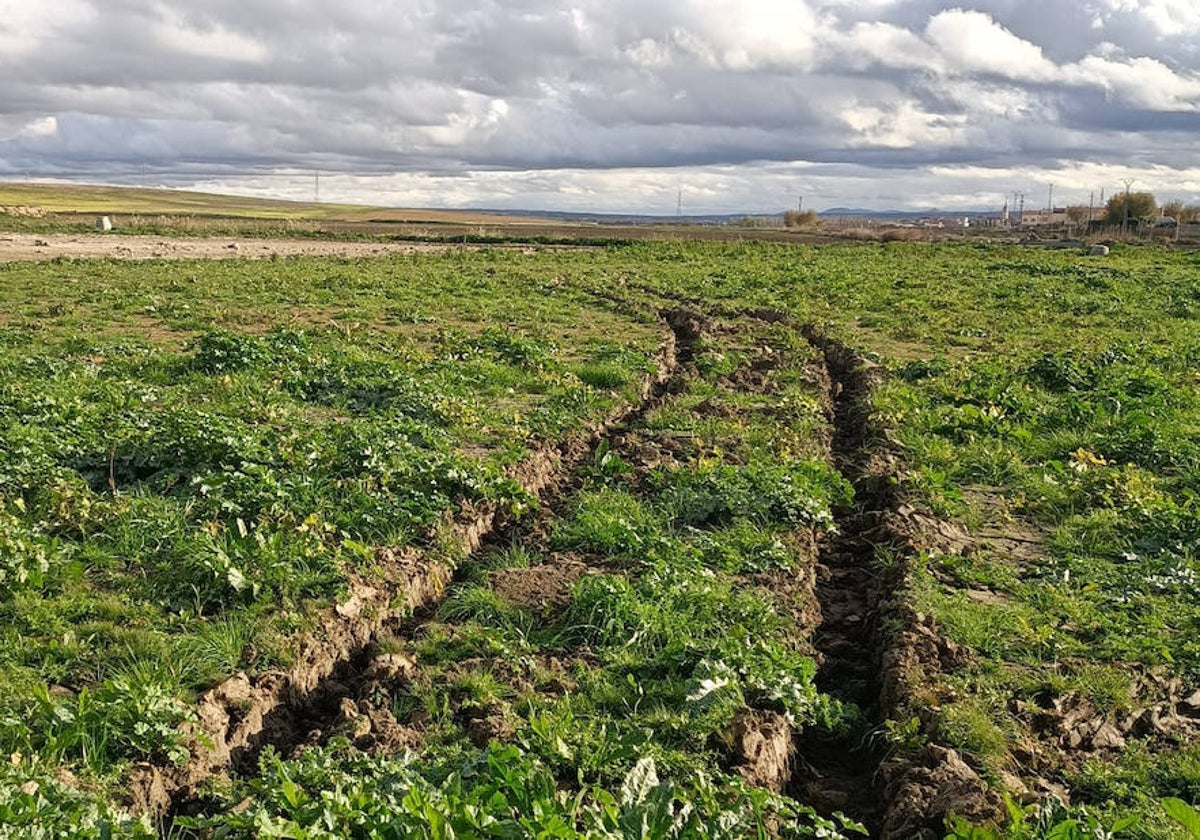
104, 223
1098, 251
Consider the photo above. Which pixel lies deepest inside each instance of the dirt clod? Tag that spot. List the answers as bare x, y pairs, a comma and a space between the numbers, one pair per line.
762, 748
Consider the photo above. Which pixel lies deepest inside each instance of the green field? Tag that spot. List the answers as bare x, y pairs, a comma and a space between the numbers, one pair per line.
974, 488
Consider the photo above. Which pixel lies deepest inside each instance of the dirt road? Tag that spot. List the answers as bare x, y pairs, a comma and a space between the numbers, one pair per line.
23, 247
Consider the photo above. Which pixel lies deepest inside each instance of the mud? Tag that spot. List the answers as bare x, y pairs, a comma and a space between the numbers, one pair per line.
854, 615
877, 651
541, 589
839, 772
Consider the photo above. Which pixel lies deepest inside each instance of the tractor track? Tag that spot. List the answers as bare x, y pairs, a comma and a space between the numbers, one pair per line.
848, 606
355, 699
840, 772
879, 652
349, 700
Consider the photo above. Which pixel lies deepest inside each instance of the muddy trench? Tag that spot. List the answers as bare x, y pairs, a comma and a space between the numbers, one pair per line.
839, 772
879, 651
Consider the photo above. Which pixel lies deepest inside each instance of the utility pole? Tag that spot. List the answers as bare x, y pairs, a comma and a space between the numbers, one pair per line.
317, 187
1128, 182
1091, 204
800, 205
679, 203
1050, 202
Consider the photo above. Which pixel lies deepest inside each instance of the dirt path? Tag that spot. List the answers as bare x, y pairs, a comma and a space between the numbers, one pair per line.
23, 247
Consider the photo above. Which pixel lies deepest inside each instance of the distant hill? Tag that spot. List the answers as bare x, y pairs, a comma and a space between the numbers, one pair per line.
631, 218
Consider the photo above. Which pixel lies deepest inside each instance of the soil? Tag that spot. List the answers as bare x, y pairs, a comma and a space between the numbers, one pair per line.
308, 703
878, 652
541, 589
21, 247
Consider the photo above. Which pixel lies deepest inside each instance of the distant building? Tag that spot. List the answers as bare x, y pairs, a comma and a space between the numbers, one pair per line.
1039, 218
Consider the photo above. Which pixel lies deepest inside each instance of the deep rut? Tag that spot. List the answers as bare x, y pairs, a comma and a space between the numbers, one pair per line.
352, 699
835, 771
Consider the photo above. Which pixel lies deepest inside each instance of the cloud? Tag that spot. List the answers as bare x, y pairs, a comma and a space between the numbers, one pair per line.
1171, 18
1142, 82
972, 42
174, 33
447, 92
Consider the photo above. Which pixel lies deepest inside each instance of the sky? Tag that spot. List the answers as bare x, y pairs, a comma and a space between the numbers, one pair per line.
609, 105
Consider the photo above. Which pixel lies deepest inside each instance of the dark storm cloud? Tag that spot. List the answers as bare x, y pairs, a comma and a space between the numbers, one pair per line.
452, 87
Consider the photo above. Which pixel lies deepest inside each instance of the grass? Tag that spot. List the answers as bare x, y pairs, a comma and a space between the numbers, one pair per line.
637, 678
328, 406
192, 462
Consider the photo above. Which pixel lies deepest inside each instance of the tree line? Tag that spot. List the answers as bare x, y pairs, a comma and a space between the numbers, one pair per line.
1136, 208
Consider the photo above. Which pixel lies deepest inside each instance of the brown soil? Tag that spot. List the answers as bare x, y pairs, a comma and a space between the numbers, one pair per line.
541, 589
762, 748
878, 652
873, 649
21, 247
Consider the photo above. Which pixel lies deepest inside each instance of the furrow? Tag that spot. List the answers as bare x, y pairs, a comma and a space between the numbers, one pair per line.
839, 771
879, 651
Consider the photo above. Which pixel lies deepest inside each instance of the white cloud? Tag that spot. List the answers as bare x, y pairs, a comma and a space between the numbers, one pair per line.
41, 127
599, 89
902, 126
972, 42
887, 45
1171, 18
743, 35
1143, 82
25, 26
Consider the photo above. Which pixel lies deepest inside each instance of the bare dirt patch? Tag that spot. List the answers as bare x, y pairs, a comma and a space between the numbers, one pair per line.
21, 247
542, 588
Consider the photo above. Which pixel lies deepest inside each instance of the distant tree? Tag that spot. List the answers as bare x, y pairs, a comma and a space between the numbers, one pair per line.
1141, 205
798, 219
1078, 214
1185, 214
